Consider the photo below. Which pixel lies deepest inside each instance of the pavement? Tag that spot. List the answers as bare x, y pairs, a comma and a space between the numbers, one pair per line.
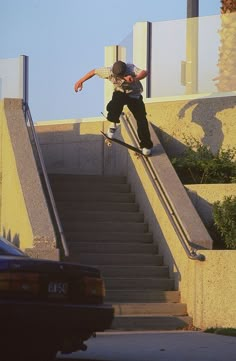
156, 346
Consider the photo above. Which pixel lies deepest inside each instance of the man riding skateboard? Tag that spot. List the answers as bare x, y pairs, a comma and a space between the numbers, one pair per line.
127, 91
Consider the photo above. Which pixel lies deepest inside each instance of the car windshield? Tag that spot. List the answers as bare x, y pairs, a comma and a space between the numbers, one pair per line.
8, 248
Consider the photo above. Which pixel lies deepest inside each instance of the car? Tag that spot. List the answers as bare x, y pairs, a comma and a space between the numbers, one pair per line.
48, 306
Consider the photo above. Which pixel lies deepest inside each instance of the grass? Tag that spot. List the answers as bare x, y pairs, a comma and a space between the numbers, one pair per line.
222, 331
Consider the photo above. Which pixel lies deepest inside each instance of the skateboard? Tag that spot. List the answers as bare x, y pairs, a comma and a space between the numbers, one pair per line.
108, 141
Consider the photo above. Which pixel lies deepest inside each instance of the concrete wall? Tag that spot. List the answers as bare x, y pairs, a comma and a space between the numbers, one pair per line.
208, 287
24, 216
208, 120
77, 147
204, 195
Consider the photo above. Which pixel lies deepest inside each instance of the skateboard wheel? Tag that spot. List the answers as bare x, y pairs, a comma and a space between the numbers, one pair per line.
108, 143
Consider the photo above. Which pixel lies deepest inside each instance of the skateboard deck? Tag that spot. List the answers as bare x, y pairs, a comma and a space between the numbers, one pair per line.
109, 141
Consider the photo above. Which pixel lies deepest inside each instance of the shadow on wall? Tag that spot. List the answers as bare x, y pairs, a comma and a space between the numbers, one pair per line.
173, 147
205, 115
13, 239
205, 211
179, 120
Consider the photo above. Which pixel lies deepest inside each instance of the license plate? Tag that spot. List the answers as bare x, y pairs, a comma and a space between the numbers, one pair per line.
58, 289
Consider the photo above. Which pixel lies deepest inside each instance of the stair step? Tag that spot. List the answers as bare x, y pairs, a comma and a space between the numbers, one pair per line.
161, 308
147, 296
108, 197
117, 259
93, 179
105, 247
133, 271
102, 216
88, 236
79, 187
96, 206
150, 322
105, 227
137, 283
94, 196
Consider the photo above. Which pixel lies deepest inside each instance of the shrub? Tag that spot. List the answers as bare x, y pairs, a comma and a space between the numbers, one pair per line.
222, 331
224, 214
199, 165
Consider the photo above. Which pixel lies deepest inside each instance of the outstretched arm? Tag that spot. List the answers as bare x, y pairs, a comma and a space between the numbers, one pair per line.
79, 84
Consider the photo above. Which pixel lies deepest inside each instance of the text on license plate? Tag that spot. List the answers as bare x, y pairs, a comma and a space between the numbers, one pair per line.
58, 288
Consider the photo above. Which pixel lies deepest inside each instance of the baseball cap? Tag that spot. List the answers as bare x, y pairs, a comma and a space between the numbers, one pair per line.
119, 68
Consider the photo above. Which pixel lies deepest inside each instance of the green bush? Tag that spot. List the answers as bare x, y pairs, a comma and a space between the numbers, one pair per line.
224, 214
222, 331
199, 165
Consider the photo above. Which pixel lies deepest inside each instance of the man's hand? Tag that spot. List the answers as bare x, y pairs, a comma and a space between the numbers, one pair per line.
129, 78
78, 86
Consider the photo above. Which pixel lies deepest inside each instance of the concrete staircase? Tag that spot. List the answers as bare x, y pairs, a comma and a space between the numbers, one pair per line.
104, 228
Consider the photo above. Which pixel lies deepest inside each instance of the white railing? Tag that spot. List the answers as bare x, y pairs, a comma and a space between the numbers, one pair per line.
14, 78
186, 57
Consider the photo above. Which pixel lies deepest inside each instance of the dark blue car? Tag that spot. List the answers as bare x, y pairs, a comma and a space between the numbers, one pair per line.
47, 306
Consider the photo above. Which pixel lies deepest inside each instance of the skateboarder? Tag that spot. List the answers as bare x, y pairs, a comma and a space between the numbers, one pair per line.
127, 91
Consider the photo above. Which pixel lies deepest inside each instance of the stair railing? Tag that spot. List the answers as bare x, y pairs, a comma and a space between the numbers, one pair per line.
40, 160
191, 252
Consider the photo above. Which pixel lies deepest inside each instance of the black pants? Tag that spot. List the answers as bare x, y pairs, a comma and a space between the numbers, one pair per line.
137, 107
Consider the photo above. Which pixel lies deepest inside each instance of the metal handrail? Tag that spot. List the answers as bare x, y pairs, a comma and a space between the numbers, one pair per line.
29, 121
181, 232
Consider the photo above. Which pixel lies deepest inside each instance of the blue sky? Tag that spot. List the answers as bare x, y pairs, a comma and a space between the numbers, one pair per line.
64, 39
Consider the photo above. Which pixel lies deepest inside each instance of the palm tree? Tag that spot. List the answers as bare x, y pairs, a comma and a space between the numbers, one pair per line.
226, 80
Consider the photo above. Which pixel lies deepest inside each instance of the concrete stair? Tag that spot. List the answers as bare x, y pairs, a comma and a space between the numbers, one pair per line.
104, 228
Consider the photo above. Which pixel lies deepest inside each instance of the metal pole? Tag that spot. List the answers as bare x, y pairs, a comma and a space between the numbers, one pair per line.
191, 75
192, 8
24, 78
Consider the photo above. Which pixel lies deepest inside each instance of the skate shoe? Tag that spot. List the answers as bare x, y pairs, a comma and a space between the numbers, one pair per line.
111, 132
147, 151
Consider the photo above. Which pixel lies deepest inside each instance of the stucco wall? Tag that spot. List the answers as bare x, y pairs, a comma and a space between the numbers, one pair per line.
77, 147
208, 120
208, 287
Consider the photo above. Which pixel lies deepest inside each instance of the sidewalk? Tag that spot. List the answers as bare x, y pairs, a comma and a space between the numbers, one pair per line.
157, 346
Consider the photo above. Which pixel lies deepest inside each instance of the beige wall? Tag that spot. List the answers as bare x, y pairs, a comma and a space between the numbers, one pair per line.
71, 146
77, 147
204, 195
208, 120
208, 288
